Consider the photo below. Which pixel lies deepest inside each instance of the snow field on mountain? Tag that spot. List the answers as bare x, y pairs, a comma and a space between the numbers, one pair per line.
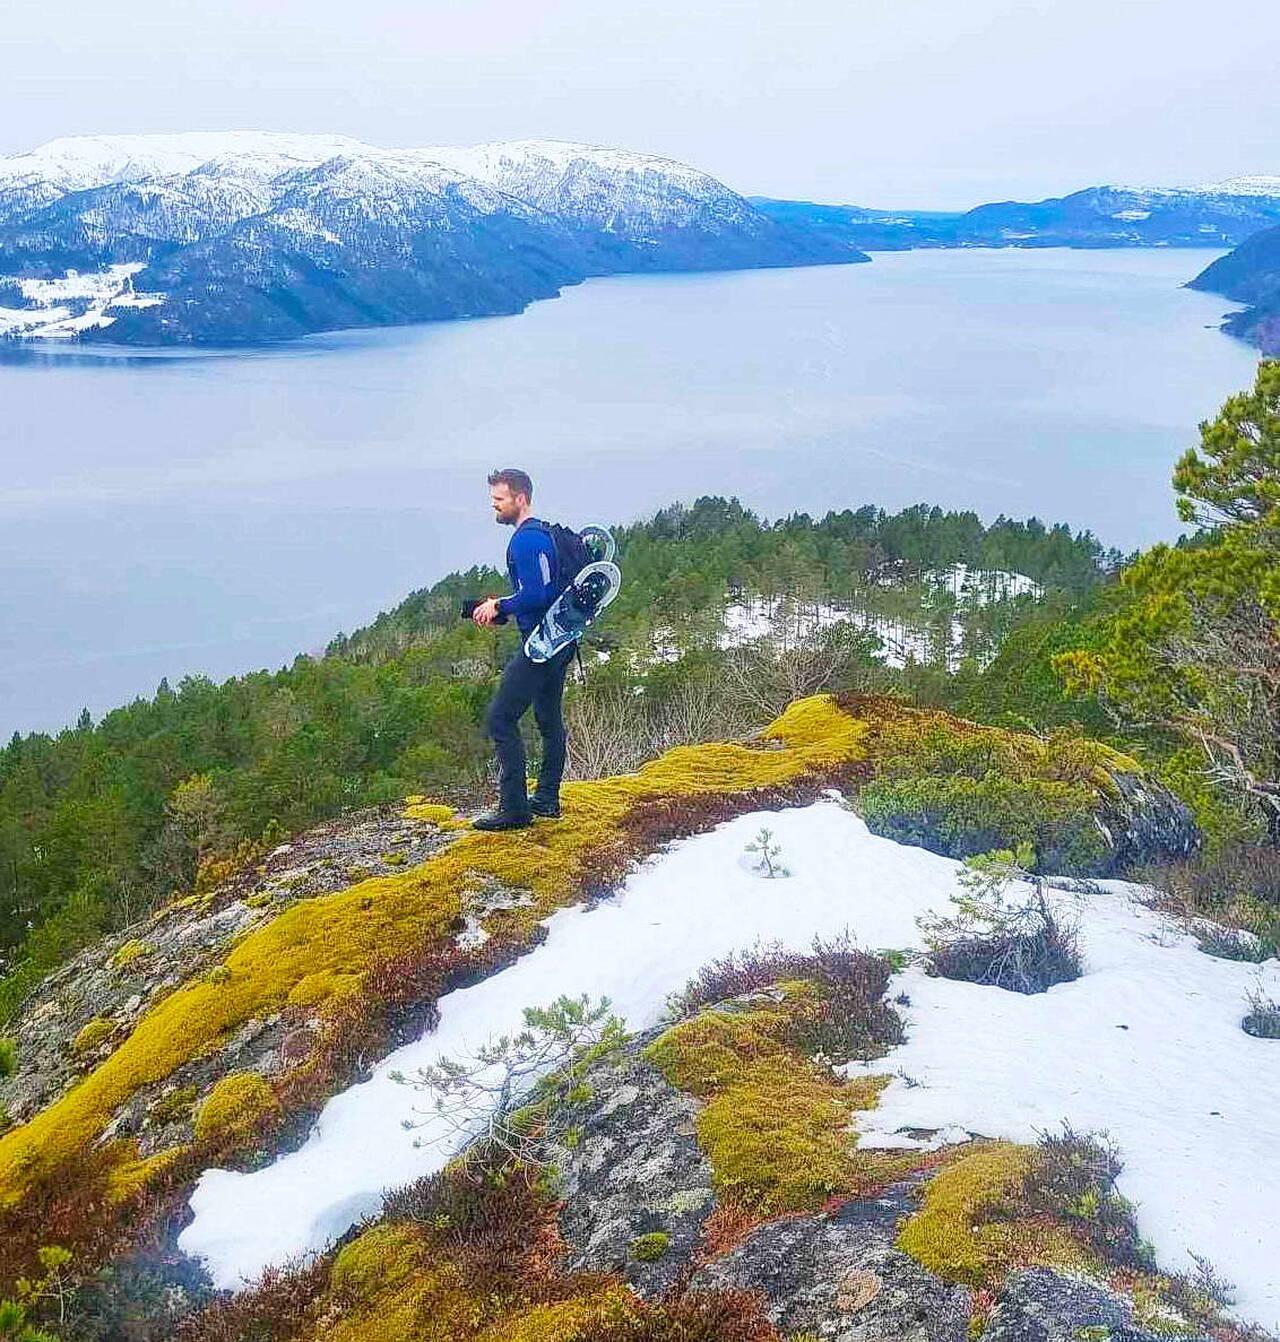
987, 1061
789, 622
53, 318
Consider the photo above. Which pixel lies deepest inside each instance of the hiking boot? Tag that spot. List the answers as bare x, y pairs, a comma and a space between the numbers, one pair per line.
549, 810
503, 820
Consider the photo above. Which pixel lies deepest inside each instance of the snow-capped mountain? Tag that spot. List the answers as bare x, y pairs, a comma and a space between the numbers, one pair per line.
647, 211
77, 163
358, 241
249, 236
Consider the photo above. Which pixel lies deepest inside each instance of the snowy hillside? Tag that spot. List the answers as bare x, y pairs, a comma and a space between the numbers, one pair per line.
231, 226
935, 635
220, 1079
1257, 185
1146, 1044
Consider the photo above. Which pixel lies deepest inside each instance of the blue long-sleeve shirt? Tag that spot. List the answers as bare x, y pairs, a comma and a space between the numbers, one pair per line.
531, 565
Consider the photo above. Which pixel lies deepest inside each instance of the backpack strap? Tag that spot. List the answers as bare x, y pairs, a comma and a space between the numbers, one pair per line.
545, 528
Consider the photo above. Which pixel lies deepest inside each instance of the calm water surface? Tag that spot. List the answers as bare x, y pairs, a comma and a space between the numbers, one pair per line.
170, 513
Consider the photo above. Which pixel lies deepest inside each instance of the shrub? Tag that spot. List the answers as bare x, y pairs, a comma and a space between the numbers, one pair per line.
1238, 886
1263, 1020
14, 1326
1073, 1176
518, 1090
274, 1309
1022, 946
769, 863
8, 1057
845, 1017
1232, 943
958, 788
697, 1316
959, 817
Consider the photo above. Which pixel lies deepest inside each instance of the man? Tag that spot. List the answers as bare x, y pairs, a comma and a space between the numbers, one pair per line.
535, 577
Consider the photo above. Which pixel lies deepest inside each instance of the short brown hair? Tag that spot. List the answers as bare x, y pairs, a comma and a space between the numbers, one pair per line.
516, 481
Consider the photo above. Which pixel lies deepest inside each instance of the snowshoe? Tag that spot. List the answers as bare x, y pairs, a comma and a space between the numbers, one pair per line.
573, 610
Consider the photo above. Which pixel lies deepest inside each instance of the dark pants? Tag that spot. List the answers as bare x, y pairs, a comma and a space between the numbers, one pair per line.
526, 684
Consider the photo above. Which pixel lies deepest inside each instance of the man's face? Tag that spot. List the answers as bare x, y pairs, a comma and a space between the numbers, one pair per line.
506, 505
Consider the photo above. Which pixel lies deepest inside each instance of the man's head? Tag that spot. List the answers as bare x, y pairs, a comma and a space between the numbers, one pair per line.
511, 493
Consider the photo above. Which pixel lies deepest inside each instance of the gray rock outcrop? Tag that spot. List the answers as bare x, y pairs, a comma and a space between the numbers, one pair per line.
1041, 1305
840, 1277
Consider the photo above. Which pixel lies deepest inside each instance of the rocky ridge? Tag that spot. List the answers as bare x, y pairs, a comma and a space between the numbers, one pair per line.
638, 1170
1251, 275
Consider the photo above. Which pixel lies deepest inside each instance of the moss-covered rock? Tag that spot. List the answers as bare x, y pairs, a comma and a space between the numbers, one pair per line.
236, 1109
959, 788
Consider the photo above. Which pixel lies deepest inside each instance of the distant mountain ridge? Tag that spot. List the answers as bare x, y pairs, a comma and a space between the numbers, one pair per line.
1250, 274
1221, 214
247, 237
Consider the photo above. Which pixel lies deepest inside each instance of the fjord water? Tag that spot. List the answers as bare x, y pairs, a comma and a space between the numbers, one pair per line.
164, 513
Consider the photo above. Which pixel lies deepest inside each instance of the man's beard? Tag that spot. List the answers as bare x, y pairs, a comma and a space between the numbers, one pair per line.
504, 521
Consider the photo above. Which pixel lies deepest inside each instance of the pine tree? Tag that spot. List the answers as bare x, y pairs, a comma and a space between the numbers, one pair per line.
1195, 647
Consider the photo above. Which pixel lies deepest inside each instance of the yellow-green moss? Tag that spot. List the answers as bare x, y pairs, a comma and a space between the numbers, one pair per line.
779, 1140
577, 1319
968, 1228
344, 934
649, 1248
776, 1127
419, 808
384, 1287
235, 1108
382, 1259
93, 1035
394, 859
132, 1175
129, 952
962, 788
716, 1049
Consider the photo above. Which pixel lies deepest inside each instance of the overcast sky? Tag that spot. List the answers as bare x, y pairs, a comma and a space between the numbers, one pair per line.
942, 103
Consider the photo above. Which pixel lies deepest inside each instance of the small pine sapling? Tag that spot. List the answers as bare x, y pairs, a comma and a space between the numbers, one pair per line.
1020, 944
517, 1092
767, 864
51, 1294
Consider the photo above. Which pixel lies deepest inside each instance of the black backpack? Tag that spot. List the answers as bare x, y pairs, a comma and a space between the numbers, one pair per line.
572, 555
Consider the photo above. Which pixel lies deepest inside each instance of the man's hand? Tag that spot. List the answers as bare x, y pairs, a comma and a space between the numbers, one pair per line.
486, 612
